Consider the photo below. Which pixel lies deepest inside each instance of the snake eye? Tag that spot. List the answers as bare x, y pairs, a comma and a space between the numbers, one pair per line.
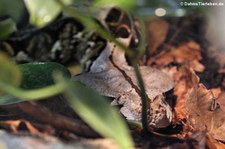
123, 31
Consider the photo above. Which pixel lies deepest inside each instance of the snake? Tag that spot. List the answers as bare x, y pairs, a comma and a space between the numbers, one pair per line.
67, 41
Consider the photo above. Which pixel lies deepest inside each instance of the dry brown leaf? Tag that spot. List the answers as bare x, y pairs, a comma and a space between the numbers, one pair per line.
111, 76
13, 126
157, 31
221, 100
216, 92
212, 143
185, 78
204, 113
200, 138
196, 140
187, 53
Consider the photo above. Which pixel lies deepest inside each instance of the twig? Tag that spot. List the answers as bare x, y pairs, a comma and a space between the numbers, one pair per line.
43, 114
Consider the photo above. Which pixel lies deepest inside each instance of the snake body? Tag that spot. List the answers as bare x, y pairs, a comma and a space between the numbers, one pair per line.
67, 41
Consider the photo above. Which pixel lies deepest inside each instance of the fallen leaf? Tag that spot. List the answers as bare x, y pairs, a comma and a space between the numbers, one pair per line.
216, 92
221, 100
184, 80
212, 143
113, 77
14, 126
56, 120
204, 113
187, 53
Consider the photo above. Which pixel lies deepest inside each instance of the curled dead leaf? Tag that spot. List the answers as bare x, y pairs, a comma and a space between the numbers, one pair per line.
212, 143
221, 100
204, 113
187, 53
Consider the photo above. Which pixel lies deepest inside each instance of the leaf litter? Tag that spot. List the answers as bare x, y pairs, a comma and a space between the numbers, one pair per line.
198, 86
117, 79
197, 104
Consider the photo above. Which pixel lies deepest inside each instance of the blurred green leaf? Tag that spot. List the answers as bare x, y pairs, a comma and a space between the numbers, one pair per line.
9, 72
83, 6
124, 4
12, 8
9, 99
35, 75
16, 94
7, 27
43, 11
97, 112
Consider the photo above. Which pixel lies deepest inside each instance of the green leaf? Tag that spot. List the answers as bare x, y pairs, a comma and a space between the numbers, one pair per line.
12, 8
8, 99
124, 4
43, 11
37, 75
16, 94
34, 75
97, 112
7, 27
9, 72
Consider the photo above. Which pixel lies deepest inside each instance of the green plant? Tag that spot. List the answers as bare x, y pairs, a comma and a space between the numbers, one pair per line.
89, 107
110, 125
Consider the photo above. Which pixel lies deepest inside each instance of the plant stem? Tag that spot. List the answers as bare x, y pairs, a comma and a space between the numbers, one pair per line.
132, 55
33, 94
143, 97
